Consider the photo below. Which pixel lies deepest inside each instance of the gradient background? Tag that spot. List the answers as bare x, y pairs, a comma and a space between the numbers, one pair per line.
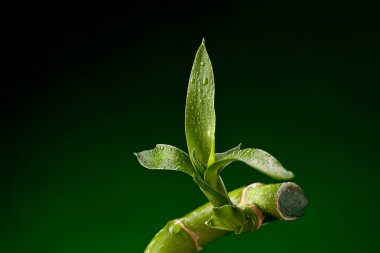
91, 84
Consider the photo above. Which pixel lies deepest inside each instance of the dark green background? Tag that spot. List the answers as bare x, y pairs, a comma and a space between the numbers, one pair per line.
89, 85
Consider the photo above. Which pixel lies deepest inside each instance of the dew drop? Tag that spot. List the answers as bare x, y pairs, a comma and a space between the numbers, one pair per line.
202, 63
205, 81
162, 148
193, 80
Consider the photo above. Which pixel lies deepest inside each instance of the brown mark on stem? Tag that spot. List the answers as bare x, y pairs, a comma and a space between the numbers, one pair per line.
192, 234
259, 216
244, 193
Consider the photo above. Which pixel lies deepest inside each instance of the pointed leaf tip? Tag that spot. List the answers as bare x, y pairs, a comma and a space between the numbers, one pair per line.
203, 41
200, 112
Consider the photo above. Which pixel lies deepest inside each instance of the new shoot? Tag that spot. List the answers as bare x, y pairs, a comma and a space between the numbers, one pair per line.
240, 211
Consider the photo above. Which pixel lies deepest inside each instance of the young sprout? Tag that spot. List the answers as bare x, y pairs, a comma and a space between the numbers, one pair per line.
241, 211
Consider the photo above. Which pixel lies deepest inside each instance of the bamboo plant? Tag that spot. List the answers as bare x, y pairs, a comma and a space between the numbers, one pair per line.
240, 211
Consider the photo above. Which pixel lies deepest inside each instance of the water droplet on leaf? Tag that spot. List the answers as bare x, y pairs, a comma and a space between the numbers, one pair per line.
205, 81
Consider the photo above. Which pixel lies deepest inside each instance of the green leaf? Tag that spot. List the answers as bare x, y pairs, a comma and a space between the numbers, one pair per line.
232, 218
256, 158
216, 197
166, 157
221, 156
219, 185
197, 164
200, 112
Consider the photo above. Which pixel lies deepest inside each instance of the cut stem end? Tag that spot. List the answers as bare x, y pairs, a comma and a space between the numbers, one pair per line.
291, 201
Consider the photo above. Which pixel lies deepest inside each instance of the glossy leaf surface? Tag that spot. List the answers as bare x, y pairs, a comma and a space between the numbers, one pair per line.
166, 157
200, 112
255, 158
220, 156
197, 164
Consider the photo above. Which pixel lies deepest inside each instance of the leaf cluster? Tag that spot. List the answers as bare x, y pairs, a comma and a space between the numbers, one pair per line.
201, 162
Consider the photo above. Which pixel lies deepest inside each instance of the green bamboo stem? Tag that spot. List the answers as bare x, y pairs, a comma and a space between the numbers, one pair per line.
189, 234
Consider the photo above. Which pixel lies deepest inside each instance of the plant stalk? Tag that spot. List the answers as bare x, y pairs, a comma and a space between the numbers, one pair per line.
189, 234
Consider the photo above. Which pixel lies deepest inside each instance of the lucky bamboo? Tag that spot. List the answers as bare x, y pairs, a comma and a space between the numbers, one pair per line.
240, 211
